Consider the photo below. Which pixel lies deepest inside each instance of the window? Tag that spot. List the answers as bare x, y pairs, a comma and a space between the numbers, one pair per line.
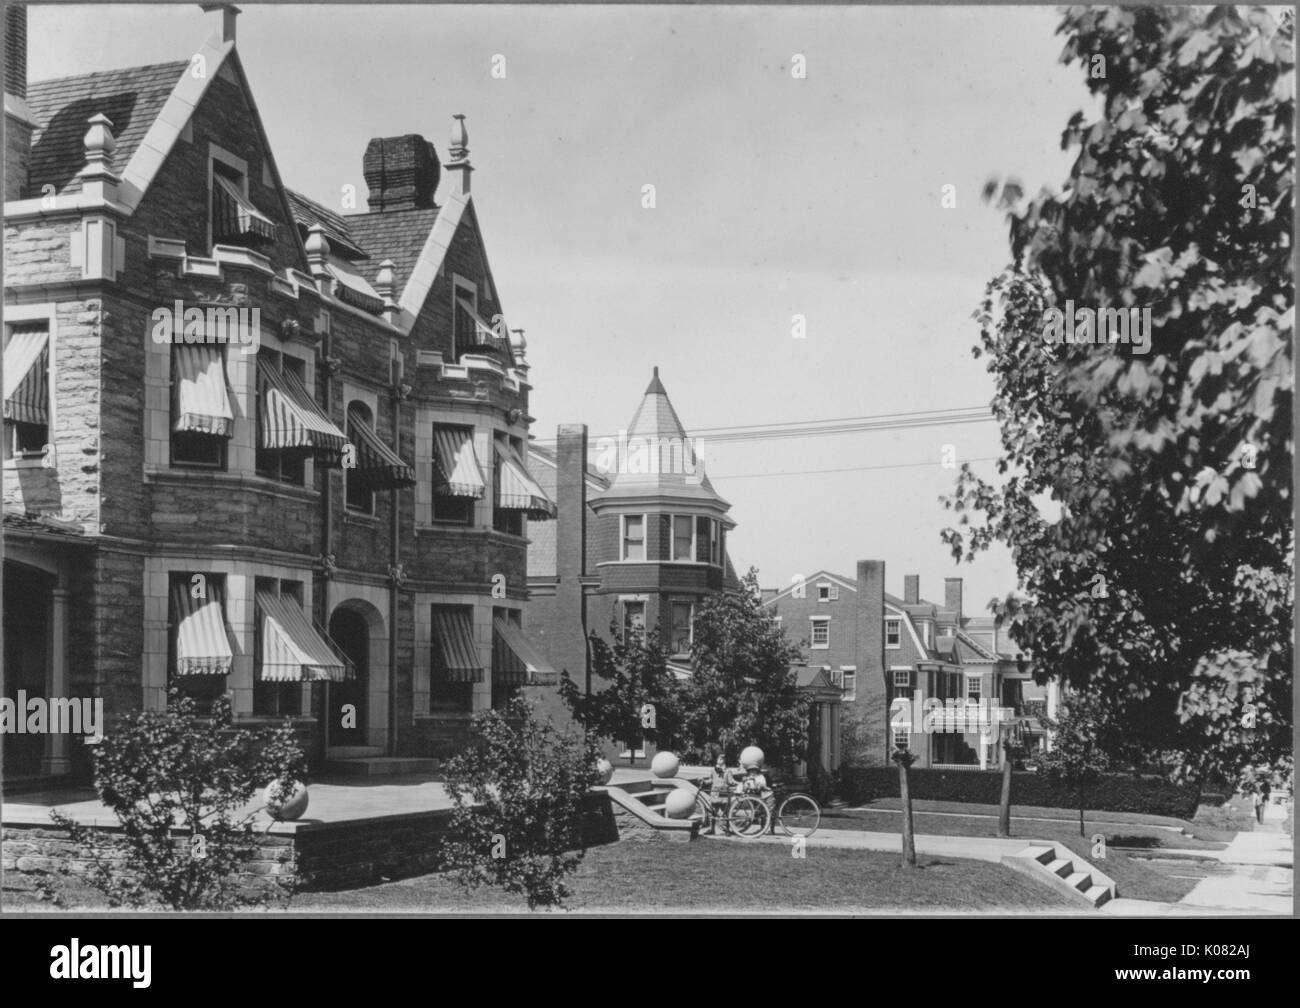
187, 592
27, 390
893, 633
849, 675
453, 510
274, 699
454, 657
835, 593
633, 620
508, 520
715, 544
823, 593
358, 496
683, 538
458, 482
503, 691
464, 330
903, 678
901, 740
974, 687
201, 418
288, 465
821, 633
633, 749
683, 618
233, 219
703, 527
633, 537
925, 634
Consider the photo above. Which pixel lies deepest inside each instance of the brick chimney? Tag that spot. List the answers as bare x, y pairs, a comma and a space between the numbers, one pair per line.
952, 597
222, 17
871, 709
912, 589
19, 123
569, 650
401, 172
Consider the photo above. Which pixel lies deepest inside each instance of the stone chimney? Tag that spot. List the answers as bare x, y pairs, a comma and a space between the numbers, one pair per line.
569, 650
401, 172
952, 597
19, 123
221, 17
458, 157
912, 589
871, 708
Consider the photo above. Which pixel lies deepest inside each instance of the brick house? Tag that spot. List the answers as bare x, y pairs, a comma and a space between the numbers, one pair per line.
316, 505
878, 647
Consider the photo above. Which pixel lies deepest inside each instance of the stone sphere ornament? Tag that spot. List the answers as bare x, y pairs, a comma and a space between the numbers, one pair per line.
604, 771
665, 765
751, 756
680, 804
291, 806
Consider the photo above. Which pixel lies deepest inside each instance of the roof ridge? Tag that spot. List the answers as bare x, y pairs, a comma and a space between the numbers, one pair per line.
108, 73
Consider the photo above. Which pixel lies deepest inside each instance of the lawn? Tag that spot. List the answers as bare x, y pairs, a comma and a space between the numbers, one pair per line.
1135, 878
633, 876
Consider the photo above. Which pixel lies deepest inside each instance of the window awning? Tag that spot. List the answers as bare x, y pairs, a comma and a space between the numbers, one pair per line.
486, 333
292, 649
354, 288
455, 658
202, 647
514, 659
377, 464
456, 471
199, 383
290, 418
517, 490
26, 388
234, 216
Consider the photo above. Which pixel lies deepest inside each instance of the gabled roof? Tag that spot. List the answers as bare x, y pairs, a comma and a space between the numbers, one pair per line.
655, 424
398, 235
812, 579
307, 213
131, 98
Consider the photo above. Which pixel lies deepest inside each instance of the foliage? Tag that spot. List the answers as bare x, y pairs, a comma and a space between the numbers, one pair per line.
742, 691
173, 771
1148, 507
1080, 751
520, 794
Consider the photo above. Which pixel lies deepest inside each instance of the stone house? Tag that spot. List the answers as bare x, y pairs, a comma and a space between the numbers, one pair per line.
253, 445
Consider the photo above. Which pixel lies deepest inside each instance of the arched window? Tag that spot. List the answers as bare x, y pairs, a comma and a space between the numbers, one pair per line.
360, 497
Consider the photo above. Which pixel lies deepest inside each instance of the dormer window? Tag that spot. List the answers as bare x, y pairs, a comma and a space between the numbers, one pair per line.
823, 593
235, 221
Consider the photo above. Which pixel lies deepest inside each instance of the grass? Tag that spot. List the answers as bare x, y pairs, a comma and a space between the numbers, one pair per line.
1135, 878
635, 876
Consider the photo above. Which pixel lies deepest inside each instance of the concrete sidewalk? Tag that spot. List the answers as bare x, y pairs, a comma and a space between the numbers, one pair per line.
973, 848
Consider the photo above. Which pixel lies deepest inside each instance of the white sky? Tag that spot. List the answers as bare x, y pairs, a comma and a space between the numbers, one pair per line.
775, 196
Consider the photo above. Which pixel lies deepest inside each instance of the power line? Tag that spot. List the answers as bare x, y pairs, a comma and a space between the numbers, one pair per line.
724, 477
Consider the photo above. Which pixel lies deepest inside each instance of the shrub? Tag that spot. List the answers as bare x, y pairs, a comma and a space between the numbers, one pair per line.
519, 794
1111, 793
180, 785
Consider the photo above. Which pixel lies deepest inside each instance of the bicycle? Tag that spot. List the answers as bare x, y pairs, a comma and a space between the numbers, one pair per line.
748, 817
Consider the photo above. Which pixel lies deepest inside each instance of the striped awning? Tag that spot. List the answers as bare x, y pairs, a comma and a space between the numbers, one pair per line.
517, 490
199, 385
486, 334
234, 216
202, 647
514, 659
377, 464
289, 417
455, 466
26, 387
455, 658
292, 649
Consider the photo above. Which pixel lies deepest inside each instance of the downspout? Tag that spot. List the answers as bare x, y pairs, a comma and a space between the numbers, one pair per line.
327, 541
394, 566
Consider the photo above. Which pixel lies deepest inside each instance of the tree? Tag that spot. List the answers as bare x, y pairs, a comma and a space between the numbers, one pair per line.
1010, 752
173, 770
904, 760
519, 797
1080, 743
1146, 490
742, 690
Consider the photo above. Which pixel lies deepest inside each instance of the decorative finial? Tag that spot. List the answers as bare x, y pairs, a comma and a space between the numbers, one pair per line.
459, 149
384, 280
99, 142
318, 249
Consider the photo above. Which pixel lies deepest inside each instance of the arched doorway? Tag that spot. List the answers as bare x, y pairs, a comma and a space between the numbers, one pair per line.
26, 658
346, 724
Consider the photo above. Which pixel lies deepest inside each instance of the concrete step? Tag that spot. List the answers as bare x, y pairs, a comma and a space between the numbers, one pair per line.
1079, 880
1098, 894
1061, 867
354, 752
380, 766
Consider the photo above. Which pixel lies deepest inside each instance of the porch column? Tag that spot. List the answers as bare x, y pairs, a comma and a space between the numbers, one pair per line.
56, 759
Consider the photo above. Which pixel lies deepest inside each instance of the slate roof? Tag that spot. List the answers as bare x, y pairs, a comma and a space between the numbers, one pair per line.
42, 525
308, 213
131, 98
398, 235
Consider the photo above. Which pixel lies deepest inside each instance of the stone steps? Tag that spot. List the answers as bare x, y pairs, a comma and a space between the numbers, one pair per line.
380, 766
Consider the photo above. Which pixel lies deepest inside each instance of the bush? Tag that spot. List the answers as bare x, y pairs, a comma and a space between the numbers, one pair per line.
519, 794
1112, 793
180, 785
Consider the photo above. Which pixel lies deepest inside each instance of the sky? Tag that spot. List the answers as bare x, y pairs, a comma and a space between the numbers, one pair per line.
775, 196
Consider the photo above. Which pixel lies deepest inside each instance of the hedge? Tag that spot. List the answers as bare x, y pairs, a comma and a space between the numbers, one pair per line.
1113, 793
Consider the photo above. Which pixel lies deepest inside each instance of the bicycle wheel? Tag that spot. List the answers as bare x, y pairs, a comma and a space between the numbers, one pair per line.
798, 815
704, 809
748, 818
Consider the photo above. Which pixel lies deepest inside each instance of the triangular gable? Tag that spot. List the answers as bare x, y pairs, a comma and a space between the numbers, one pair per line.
429, 265
812, 579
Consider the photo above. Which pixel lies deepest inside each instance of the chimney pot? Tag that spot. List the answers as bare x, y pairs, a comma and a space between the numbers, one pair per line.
222, 18
952, 597
912, 589
16, 50
401, 172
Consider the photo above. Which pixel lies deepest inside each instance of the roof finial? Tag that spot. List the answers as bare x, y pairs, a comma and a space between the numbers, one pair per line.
458, 156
